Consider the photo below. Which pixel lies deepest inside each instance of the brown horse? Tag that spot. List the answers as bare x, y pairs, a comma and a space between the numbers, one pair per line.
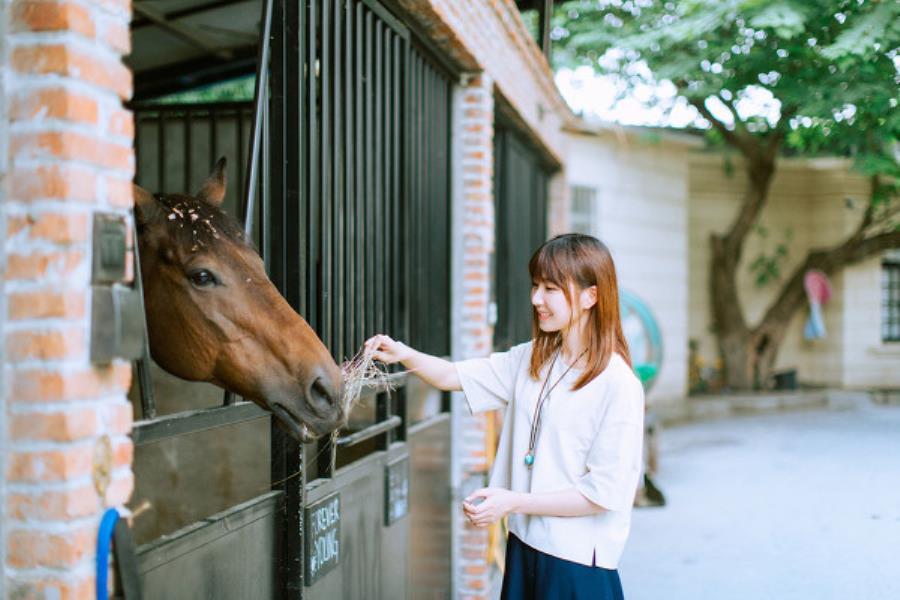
213, 315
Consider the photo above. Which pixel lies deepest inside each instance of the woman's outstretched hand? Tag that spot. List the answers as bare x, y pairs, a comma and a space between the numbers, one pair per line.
432, 369
387, 350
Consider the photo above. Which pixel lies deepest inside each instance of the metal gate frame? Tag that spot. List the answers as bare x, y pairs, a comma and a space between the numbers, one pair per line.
521, 180
296, 157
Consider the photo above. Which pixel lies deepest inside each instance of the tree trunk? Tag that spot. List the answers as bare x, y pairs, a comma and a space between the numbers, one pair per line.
731, 331
748, 353
740, 348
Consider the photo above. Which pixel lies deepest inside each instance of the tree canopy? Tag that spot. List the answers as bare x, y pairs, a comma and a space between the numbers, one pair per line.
831, 66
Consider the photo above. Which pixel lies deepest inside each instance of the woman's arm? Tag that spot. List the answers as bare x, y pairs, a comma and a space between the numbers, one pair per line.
435, 371
498, 502
565, 503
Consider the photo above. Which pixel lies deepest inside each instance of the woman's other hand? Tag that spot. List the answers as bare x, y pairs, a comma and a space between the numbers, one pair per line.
495, 504
387, 350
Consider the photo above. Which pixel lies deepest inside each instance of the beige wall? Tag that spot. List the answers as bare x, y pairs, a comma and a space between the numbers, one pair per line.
808, 197
642, 216
659, 202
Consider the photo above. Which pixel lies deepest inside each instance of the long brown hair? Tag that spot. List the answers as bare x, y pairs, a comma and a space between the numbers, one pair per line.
573, 260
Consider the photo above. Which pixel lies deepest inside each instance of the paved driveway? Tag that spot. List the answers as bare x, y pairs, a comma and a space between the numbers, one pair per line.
783, 506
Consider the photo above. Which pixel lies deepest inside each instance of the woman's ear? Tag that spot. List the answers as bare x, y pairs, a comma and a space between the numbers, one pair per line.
588, 297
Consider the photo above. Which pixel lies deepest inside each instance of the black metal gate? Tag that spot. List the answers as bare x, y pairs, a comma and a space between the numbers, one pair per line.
353, 223
521, 179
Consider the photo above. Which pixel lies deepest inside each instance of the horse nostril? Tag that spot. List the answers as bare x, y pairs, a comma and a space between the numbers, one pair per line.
320, 396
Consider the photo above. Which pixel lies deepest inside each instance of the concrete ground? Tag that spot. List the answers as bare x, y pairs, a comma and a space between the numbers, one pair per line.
782, 506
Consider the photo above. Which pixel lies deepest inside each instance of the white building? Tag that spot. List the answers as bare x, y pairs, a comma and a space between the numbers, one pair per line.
654, 196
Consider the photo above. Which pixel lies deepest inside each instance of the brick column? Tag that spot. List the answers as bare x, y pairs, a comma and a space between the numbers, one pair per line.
67, 451
473, 214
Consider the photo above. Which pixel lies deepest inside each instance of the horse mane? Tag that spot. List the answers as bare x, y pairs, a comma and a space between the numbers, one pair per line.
196, 225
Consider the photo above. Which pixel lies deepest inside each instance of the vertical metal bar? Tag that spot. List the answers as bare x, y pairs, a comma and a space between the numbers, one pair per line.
242, 211
349, 317
213, 135
378, 211
421, 198
161, 150
406, 194
412, 168
447, 126
265, 211
145, 381
311, 161
384, 208
396, 280
326, 226
188, 148
359, 322
286, 452
260, 104
371, 325
389, 195
324, 297
337, 230
382, 400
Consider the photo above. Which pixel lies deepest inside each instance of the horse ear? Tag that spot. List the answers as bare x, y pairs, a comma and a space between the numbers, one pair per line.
146, 207
213, 190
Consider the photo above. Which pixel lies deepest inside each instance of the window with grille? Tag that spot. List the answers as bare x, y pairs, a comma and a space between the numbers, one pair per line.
583, 212
890, 297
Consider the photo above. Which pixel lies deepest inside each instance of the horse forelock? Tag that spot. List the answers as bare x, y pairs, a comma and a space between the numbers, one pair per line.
197, 226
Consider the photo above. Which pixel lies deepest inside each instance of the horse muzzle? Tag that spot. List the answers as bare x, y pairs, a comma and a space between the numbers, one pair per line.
296, 425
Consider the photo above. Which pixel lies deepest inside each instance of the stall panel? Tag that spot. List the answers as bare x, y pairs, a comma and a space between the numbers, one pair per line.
231, 555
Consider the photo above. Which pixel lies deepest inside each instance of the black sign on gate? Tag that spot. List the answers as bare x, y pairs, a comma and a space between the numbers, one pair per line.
396, 490
323, 537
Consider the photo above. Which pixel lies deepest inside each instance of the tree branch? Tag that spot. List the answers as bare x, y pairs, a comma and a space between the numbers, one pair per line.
731, 136
852, 250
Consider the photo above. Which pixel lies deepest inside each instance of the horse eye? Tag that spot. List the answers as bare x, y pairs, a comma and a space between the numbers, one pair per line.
202, 278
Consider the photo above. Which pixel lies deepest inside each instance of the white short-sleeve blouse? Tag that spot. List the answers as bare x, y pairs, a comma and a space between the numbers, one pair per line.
590, 439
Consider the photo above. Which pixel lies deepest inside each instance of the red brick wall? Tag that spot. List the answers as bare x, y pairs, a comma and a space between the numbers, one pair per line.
473, 162
68, 454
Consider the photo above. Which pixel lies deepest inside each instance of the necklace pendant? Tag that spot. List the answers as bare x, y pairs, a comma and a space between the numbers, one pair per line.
529, 459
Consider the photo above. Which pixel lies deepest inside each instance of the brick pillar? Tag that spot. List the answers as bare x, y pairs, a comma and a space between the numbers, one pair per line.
473, 214
67, 453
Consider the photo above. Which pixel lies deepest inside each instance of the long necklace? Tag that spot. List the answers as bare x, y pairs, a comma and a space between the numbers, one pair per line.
536, 421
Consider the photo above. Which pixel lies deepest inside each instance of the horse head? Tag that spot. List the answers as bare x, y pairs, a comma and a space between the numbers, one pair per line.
213, 314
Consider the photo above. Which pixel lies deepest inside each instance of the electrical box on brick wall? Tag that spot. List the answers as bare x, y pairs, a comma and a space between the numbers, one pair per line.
117, 319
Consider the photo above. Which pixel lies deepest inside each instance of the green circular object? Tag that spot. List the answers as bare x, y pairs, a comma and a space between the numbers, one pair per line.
643, 336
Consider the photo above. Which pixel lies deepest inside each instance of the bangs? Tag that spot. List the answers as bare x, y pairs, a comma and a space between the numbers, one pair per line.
549, 264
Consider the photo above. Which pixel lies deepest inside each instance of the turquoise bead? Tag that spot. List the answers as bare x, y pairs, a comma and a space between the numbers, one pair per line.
529, 459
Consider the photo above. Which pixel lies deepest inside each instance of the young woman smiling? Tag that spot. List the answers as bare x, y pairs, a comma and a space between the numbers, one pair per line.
569, 455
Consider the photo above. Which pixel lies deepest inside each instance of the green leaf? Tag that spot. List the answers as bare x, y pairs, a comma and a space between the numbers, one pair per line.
785, 18
866, 31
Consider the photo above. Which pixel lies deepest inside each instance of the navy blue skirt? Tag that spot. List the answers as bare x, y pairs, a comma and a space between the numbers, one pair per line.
532, 575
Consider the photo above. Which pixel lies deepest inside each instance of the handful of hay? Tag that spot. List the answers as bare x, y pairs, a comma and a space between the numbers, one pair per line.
360, 372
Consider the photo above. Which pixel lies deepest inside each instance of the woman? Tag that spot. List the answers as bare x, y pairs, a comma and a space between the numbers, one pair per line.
569, 455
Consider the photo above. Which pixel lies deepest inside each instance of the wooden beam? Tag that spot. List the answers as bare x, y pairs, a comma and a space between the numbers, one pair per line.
180, 31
